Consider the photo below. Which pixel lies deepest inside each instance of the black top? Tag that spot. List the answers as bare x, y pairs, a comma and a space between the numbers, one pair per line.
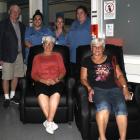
100, 75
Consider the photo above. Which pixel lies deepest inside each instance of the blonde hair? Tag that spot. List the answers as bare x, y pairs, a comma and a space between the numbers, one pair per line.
48, 39
98, 41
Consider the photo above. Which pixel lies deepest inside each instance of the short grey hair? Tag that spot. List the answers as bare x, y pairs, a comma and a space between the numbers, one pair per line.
48, 39
14, 6
98, 41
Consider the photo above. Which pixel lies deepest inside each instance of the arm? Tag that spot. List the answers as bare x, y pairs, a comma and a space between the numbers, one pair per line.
34, 72
28, 44
1, 37
62, 69
84, 81
27, 37
123, 83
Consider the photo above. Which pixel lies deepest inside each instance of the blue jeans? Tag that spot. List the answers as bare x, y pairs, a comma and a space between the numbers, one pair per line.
110, 99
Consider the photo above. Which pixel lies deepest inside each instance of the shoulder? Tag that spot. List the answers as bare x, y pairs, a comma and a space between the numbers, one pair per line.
86, 61
5, 25
88, 20
38, 56
74, 24
57, 54
29, 29
5, 21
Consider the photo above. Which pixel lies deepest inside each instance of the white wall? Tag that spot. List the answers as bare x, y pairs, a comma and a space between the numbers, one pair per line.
34, 5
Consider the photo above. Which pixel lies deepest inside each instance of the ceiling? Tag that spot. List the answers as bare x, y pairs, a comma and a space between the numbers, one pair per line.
50, 1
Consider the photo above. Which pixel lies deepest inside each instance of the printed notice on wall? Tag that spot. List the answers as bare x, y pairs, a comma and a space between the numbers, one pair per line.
109, 30
109, 9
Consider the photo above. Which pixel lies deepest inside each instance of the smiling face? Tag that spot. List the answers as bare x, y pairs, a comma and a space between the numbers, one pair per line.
14, 12
37, 21
81, 15
59, 22
97, 46
97, 50
48, 47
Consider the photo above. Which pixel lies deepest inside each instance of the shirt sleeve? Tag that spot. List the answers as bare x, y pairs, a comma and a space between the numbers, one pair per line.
27, 33
84, 63
35, 69
62, 69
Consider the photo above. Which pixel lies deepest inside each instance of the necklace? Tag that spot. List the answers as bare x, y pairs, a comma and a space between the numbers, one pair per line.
100, 60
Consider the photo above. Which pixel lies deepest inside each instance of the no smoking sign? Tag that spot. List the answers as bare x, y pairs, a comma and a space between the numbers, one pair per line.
109, 9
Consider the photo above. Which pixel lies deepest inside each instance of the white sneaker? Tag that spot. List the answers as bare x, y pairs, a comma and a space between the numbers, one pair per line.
54, 125
45, 123
49, 128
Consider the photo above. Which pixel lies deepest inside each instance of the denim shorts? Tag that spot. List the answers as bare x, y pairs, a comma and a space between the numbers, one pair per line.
110, 99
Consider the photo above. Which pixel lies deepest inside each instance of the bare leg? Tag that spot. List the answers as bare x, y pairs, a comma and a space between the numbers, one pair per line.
44, 104
53, 104
102, 120
122, 126
14, 84
5, 85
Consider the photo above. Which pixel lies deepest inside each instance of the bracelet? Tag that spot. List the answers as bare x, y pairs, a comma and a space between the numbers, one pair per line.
124, 86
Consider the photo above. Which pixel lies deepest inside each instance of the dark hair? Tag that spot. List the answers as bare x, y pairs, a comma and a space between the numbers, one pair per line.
37, 12
83, 8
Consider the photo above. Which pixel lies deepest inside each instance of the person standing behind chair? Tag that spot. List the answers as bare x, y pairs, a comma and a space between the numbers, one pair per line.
34, 34
11, 52
60, 32
98, 74
48, 71
79, 34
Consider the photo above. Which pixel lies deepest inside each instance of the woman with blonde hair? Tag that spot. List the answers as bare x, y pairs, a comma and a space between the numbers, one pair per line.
60, 32
98, 74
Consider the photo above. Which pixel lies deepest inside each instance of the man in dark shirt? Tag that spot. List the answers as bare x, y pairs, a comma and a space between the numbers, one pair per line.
11, 52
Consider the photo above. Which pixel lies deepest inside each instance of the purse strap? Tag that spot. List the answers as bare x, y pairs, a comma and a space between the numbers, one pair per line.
115, 75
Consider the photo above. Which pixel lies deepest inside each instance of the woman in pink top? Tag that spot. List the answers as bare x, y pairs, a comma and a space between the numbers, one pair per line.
47, 71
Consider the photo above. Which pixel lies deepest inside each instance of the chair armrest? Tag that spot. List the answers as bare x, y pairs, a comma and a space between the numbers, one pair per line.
82, 100
22, 83
22, 101
70, 82
23, 86
82, 97
82, 105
